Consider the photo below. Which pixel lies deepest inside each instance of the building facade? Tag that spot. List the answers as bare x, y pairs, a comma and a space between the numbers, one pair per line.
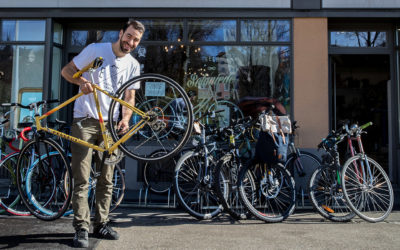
324, 60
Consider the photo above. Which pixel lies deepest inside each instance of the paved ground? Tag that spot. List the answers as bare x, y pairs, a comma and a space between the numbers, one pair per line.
147, 228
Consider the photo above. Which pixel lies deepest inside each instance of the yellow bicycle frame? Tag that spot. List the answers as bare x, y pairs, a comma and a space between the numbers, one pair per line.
106, 137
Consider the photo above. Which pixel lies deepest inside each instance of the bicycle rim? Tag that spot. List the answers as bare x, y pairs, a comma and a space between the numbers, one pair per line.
10, 199
229, 166
195, 195
158, 176
230, 111
118, 188
272, 196
367, 188
170, 118
42, 188
327, 197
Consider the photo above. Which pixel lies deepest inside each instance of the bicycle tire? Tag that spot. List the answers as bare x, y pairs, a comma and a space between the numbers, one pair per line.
50, 168
178, 124
158, 176
326, 195
11, 202
271, 198
231, 111
118, 188
232, 203
368, 192
195, 196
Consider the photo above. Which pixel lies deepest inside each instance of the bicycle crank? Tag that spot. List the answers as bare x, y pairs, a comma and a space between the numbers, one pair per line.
115, 157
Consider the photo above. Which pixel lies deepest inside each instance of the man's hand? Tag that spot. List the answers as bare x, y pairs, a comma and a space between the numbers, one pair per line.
123, 126
86, 87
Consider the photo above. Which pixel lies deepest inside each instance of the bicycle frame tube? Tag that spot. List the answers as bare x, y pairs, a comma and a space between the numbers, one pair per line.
132, 131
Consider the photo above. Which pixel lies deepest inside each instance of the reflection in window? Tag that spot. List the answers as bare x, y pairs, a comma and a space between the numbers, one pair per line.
6, 62
265, 30
163, 30
56, 73
28, 67
23, 30
58, 33
212, 30
7, 30
81, 38
358, 39
164, 59
237, 73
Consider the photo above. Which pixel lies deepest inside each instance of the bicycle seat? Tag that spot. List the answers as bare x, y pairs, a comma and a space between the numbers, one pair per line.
96, 63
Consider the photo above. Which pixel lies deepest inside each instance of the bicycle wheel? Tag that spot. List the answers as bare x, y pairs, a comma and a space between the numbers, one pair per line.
148, 105
326, 195
271, 198
159, 176
301, 166
41, 170
118, 188
367, 188
229, 166
230, 111
169, 119
194, 188
10, 199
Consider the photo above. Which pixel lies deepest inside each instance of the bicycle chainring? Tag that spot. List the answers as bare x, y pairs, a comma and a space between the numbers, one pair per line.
116, 156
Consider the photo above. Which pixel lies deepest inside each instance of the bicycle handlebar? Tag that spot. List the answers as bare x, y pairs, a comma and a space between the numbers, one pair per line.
29, 106
22, 134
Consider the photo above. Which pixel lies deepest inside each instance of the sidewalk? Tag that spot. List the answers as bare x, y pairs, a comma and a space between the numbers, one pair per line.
148, 228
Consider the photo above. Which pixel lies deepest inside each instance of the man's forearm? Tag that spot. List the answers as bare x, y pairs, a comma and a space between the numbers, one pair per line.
129, 98
68, 71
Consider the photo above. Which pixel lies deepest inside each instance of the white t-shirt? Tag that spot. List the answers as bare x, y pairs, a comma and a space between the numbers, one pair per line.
110, 76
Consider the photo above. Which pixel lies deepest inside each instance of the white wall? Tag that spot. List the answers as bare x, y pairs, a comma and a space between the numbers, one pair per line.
361, 3
144, 4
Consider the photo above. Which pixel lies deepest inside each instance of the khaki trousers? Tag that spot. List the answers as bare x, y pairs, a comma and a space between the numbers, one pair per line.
81, 168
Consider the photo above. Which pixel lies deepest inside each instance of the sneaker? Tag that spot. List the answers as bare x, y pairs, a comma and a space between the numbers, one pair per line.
105, 232
81, 238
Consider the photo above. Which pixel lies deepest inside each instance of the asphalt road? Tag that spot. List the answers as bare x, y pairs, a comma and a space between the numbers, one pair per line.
149, 228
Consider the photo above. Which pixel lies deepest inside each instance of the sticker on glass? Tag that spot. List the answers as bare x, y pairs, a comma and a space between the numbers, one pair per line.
155, 89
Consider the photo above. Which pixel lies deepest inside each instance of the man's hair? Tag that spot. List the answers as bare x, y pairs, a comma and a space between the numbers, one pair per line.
135, 24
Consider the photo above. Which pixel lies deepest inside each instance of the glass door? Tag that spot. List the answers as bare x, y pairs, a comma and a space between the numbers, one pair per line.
360, 85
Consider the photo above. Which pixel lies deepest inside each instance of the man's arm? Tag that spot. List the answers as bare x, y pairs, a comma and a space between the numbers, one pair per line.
69, 70
123, 125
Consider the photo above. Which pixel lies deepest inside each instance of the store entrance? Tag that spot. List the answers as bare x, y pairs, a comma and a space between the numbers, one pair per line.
359, 88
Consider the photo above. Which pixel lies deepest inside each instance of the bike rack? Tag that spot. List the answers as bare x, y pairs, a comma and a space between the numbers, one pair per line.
145, 199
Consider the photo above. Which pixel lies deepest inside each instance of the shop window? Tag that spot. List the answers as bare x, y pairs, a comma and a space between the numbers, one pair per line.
233, 73
212, 30
265, 30
6, 61
163, 30
240, 73
58, 33
81, 38
167, 60
358, 39
23, 30
56, 73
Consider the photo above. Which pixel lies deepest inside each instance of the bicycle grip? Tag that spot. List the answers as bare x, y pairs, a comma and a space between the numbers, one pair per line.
362, 127
93, 65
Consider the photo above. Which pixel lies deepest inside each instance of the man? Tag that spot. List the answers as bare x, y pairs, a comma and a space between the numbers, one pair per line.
118, 67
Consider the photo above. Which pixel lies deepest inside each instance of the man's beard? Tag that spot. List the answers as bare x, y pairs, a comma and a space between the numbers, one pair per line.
122, 48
